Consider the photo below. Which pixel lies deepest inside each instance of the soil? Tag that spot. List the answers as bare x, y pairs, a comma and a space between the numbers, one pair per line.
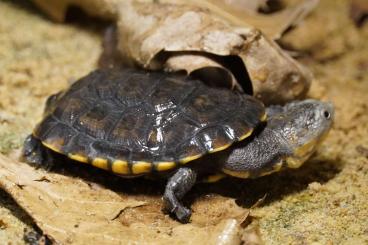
324, 202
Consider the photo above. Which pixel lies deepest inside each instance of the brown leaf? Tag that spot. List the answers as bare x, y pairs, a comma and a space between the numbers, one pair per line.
185, 37
238, 12
251, 6
245, 14
216, 41
65, 208
70, 210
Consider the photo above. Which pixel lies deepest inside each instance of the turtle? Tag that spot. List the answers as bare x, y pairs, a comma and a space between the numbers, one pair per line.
138, 123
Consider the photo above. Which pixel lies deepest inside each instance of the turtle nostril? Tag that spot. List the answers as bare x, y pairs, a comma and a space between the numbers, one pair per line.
326, 114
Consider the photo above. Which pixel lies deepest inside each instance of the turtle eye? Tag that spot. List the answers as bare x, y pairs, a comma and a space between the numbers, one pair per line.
327, 114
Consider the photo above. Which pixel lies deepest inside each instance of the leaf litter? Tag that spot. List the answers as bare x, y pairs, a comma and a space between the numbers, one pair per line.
220, 42
191, 38
73, 208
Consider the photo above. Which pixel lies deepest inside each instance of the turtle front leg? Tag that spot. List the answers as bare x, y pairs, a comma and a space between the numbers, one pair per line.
177, 186
36, 154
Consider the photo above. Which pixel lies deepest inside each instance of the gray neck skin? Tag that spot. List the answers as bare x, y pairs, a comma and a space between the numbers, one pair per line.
258, 154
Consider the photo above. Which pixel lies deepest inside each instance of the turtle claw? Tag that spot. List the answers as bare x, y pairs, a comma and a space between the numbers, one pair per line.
183, 214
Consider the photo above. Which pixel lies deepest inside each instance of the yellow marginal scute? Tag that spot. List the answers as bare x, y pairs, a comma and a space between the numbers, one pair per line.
140, 167
221, 148
238, 174
246, 135
120, 167
52, 147
163, 166
78, 157
100, 163
189, 159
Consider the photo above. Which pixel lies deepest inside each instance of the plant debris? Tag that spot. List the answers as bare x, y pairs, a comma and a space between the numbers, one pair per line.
178, 37
214, 40
68, 210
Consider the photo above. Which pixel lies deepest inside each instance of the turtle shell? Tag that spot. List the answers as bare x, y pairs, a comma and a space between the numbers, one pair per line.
134, 122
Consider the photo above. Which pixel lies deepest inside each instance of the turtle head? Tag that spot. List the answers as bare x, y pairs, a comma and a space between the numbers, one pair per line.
303, 124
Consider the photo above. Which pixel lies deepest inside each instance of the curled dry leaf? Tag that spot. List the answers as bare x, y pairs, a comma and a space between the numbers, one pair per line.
245, 13
238, 12
214, 40
71, 210
251, 6
186, 37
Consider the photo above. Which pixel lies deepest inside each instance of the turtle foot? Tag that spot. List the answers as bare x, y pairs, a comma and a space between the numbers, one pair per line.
35, 154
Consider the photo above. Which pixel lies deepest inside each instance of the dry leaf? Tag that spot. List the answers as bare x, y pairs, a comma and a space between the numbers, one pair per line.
213, 40
252, 6
244, 13
183, 37
238, 12
65, 208
71, 210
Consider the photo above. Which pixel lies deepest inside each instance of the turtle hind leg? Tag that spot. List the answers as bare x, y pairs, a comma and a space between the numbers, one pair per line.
36, 154
177, 186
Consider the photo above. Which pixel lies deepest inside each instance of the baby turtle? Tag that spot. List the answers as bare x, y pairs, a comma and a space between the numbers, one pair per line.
135, 123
